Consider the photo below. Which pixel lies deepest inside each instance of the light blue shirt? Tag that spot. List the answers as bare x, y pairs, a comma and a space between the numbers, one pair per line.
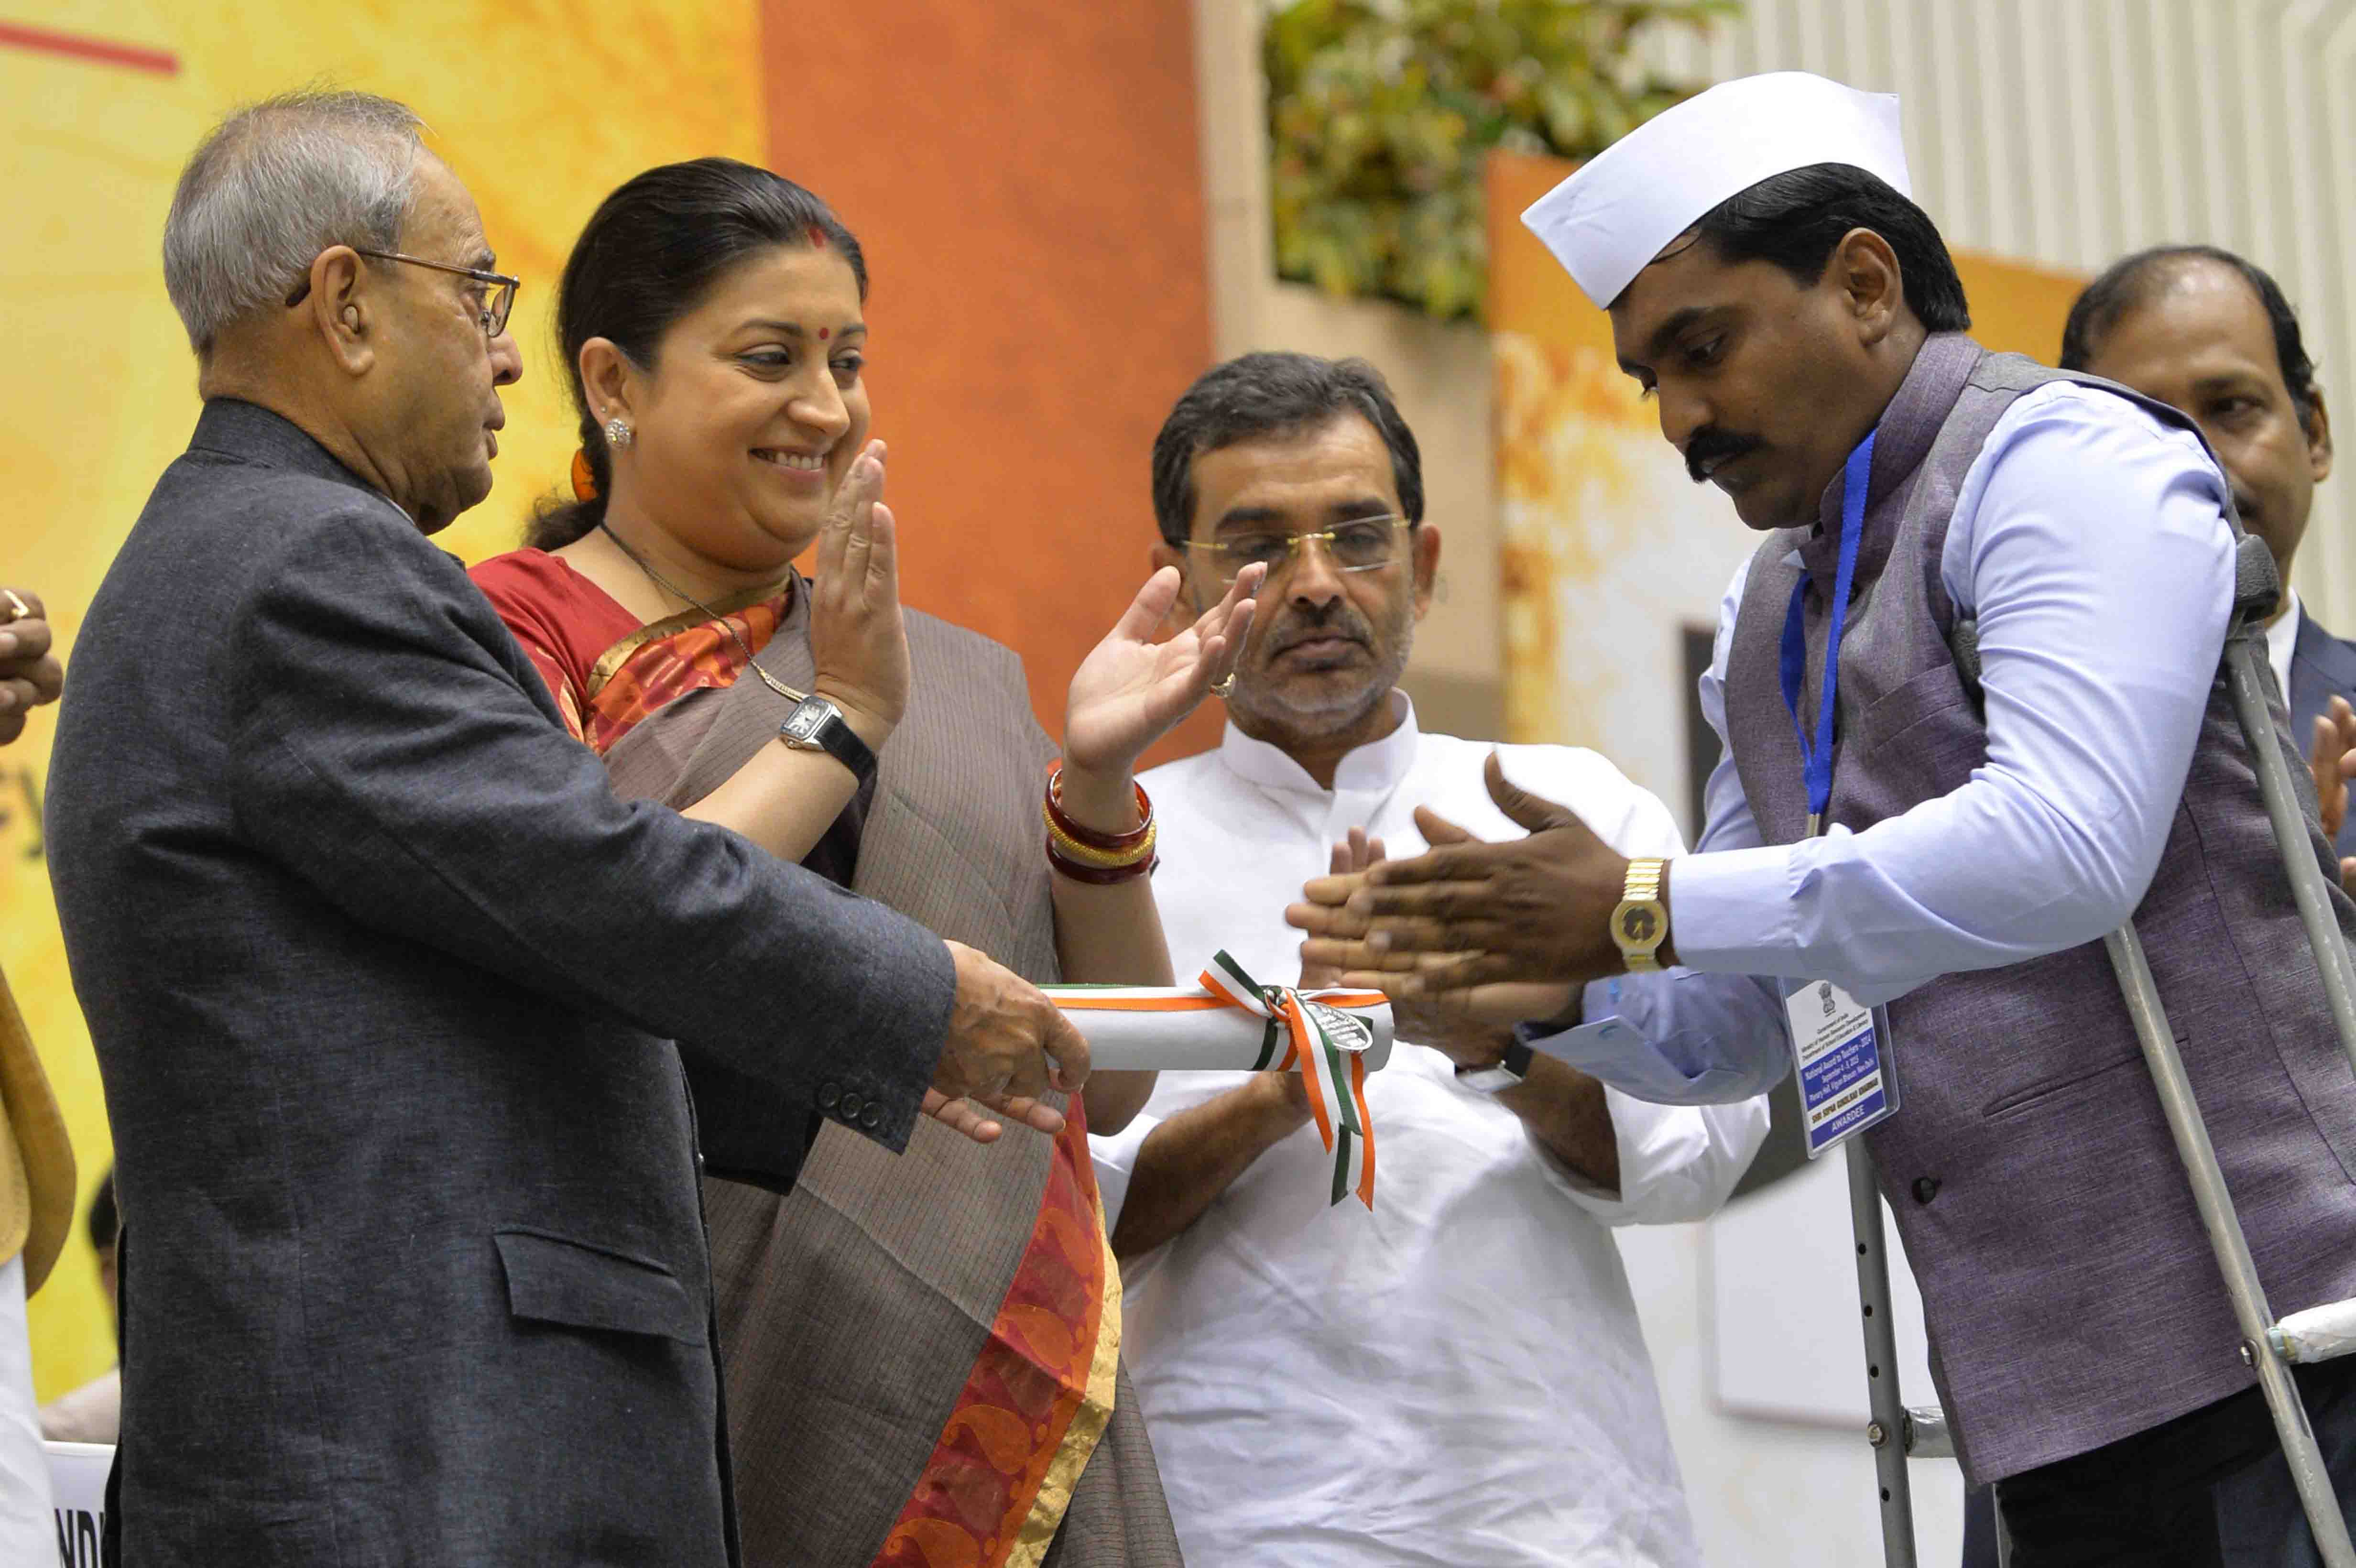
2089, 542
1678, 1038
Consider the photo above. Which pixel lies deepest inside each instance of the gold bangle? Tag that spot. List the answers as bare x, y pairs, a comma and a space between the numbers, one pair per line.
1073, 849
1093, 838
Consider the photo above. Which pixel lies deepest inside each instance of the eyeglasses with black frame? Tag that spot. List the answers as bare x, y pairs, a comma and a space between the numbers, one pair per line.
1362, 544
499, 289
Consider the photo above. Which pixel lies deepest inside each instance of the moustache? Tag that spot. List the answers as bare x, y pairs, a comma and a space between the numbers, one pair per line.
1292, 627
1710, 444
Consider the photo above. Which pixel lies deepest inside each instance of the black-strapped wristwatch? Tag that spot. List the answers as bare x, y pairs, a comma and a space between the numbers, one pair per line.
818, 725
1507, 1072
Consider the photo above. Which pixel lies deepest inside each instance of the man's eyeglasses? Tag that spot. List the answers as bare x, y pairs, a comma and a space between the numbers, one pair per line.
1364, 544
499, 289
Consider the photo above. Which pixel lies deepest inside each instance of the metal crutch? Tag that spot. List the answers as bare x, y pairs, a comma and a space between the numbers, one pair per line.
2268, 1345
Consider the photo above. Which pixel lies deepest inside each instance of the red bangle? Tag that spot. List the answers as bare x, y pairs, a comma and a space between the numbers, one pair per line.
1098, 876
1111, 843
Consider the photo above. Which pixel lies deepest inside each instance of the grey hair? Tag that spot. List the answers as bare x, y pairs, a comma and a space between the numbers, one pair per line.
271, 186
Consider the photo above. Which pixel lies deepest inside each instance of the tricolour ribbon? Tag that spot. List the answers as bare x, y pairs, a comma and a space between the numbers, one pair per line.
1327, 1046
1325, 1034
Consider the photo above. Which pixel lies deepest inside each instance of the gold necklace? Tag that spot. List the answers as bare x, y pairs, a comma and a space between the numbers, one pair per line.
772, 682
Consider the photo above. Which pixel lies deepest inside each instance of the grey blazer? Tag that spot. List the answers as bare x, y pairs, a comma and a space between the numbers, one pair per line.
383, 977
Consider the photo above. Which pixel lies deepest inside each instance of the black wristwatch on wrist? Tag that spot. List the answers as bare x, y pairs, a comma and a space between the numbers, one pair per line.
818, 725
1507, 1072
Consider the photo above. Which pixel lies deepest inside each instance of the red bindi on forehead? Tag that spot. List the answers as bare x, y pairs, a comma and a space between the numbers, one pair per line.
817, 238
824, 333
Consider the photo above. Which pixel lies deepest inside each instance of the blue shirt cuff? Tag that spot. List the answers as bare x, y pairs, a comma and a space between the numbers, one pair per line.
1730, 911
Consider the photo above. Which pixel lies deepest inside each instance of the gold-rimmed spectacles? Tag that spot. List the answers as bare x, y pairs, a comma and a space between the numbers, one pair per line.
1362, 544
499, 289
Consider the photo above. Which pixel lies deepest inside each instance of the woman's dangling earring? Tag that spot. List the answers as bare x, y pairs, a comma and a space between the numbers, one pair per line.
617, 432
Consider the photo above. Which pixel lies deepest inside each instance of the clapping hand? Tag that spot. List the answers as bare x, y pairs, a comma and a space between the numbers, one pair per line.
1467, 916
2333, 761
1131, 690
1464, 1025
1350, 858
29, 672
858, 639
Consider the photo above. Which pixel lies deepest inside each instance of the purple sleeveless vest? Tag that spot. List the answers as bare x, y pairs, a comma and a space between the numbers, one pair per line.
2070, 1293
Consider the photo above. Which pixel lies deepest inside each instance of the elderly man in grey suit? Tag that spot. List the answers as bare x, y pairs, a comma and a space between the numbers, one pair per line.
383, 976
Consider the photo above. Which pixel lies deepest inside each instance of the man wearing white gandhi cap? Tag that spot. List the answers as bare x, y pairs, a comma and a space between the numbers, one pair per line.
1947, 849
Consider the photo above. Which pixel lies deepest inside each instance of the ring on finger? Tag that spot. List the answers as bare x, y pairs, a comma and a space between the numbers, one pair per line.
1225, 688
20, 610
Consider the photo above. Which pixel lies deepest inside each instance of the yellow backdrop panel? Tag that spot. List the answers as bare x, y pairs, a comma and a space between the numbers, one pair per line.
1612, 554
541, 107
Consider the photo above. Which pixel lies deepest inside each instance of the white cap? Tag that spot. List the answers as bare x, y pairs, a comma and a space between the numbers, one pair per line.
1608, 221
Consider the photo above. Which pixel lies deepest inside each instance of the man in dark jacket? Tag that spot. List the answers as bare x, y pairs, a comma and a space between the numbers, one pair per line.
2207, 332
382, 975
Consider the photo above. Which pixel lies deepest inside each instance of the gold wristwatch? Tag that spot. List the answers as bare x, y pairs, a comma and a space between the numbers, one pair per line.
1640, 924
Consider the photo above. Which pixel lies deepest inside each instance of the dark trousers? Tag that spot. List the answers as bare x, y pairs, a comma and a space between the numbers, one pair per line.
2210, 1490
1979, 1527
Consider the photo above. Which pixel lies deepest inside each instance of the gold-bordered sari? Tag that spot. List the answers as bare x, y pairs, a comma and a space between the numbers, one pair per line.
922, 1352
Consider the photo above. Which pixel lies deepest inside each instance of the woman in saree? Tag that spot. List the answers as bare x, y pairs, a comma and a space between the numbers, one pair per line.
921, 1352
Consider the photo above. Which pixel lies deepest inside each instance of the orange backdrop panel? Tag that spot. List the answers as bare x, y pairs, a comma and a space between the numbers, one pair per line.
1025, 178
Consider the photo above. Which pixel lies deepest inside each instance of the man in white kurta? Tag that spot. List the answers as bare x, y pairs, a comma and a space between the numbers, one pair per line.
1459, 1376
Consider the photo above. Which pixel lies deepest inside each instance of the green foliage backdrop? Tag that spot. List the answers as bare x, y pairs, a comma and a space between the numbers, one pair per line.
1379, 112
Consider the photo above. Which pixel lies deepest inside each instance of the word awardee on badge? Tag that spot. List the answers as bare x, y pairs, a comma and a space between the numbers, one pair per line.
1840, 1051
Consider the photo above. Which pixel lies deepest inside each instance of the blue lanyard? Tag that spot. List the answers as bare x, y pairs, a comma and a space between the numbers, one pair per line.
1816, 759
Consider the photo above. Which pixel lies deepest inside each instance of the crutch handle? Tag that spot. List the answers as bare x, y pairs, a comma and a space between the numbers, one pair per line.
2257, 583
1926, 1435
2318, 1334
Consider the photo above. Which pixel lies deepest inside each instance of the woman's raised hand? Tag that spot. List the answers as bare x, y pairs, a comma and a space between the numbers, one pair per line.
1131, 690
859, 643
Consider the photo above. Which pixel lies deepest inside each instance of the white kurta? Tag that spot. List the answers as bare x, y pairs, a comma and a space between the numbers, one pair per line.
1459, 1377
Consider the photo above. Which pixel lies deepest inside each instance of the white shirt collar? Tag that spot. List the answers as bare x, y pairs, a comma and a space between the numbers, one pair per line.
2282, 638
1377, 766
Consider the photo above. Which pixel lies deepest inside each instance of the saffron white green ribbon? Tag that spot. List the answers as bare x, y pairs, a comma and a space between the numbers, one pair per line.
1333, 1038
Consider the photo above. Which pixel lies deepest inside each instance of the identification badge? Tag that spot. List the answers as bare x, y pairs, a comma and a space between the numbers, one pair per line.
1840, 1053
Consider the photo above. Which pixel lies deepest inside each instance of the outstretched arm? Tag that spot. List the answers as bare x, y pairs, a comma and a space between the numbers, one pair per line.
392, 748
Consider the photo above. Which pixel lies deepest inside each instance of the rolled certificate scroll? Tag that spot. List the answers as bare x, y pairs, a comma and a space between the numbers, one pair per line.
1188, 1028
1230, 1023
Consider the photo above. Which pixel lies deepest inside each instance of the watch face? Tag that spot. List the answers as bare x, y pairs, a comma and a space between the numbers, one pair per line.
804, 722
1640, 925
